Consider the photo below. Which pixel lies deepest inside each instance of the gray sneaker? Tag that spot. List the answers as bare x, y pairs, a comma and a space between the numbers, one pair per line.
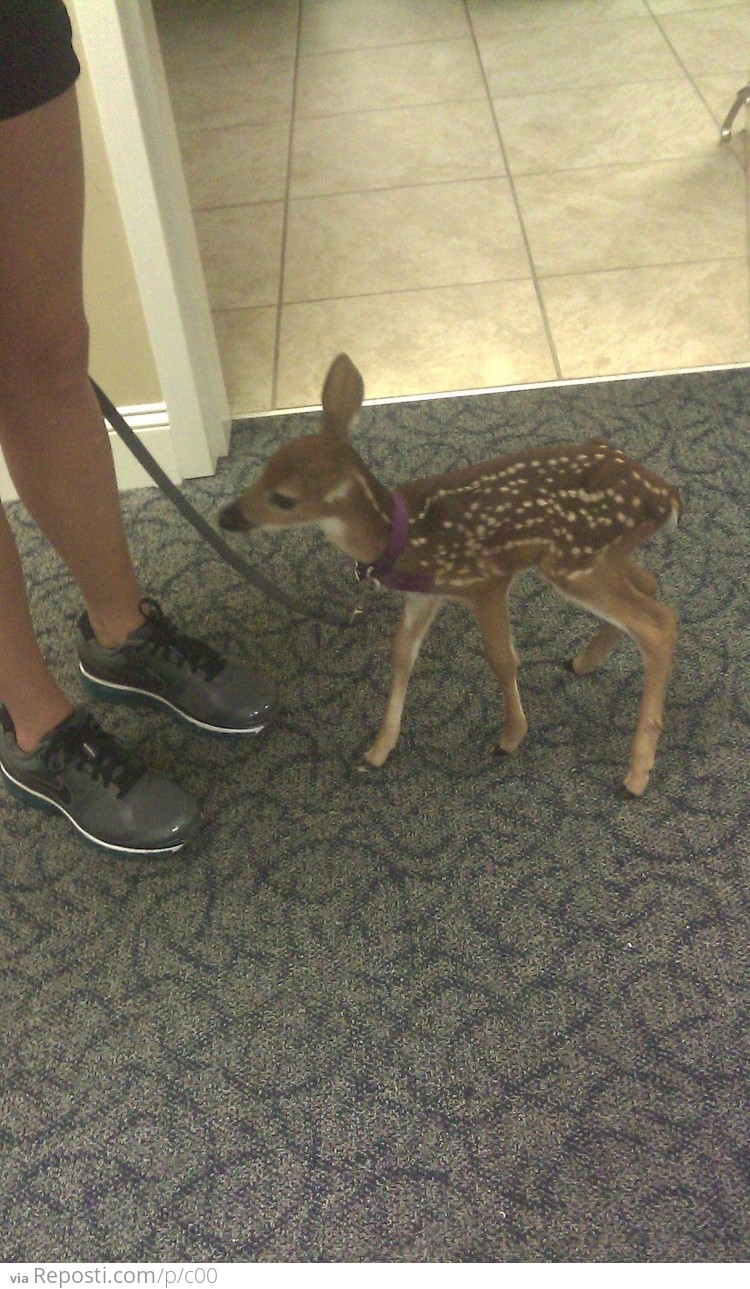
160, 664
106, 792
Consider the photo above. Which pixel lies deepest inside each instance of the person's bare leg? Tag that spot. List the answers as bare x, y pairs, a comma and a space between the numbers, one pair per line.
51, 430
34, 699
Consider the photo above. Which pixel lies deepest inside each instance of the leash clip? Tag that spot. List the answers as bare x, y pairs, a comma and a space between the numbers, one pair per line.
369, 584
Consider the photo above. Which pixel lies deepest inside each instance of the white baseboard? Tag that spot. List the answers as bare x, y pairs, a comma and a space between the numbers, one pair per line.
151, 424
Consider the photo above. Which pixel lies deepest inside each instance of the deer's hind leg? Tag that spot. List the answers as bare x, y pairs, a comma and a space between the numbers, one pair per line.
609, 590
609, 635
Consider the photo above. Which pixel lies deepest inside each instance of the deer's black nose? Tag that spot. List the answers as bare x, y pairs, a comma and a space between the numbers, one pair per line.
232, 519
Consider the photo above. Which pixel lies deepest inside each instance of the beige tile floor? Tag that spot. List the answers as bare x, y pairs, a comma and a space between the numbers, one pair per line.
463, 193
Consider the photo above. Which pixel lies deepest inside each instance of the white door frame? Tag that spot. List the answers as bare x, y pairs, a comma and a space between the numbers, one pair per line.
124, 60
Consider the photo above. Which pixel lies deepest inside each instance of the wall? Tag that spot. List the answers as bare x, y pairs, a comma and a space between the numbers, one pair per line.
121, 358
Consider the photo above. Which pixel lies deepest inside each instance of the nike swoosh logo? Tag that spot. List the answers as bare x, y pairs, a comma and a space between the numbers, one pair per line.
60, 794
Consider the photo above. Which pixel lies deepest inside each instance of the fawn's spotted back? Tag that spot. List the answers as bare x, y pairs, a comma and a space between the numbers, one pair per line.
568, 502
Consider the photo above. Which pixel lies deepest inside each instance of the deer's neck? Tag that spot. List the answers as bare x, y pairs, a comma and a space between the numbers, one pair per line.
360, 524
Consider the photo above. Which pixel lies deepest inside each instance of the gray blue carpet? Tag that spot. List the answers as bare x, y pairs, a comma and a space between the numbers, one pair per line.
462, 1010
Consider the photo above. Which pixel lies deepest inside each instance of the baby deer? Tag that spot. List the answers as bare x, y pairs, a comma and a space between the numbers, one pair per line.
575, 512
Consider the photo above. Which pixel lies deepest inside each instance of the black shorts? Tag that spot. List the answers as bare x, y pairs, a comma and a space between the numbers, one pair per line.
37, 59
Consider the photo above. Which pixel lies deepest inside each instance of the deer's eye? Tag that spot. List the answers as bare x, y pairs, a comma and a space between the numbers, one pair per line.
282, 500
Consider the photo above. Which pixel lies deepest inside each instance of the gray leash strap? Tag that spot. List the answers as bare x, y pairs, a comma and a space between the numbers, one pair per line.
204, 529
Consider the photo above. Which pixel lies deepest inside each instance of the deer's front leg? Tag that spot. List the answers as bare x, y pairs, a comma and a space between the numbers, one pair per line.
419, 611
491, 611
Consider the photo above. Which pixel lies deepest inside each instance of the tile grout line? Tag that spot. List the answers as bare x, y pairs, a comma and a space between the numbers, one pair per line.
658, 265
353, 192
285, 216
333, 51
514, 198
253, 124
563, 86
267, 122
380, 189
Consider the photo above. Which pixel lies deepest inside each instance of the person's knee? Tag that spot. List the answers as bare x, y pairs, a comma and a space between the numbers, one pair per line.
49, 362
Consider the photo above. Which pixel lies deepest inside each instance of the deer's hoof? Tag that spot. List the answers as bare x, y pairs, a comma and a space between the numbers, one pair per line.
570, 665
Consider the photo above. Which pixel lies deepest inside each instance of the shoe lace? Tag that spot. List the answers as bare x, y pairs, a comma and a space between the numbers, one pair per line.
84, 742
178, 646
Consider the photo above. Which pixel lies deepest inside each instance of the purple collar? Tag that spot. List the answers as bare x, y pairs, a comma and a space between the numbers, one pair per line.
380, 571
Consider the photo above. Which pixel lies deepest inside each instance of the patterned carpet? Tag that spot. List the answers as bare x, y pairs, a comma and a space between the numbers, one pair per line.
461, 1010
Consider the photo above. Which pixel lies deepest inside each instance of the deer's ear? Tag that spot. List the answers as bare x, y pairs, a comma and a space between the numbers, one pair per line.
343, 393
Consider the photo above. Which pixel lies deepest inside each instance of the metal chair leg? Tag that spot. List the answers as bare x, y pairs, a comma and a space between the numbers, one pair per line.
743, 98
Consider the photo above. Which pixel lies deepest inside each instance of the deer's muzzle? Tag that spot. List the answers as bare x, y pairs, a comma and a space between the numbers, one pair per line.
233, 520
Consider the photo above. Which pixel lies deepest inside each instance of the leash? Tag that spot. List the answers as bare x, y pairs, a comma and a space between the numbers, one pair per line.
204, 529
